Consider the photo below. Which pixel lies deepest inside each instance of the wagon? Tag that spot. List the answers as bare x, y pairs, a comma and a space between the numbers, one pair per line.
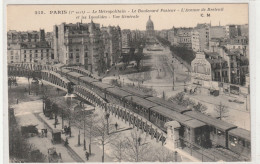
29, 130
56, 136
53, 156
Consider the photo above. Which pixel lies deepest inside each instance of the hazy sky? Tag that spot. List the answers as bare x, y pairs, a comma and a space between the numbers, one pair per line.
23, 17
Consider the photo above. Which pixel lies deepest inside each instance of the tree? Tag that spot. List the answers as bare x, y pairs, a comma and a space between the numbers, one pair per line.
103, 133
91, 122
138, 148
138, 57
200, 108
221, 111
179, 98
119, 148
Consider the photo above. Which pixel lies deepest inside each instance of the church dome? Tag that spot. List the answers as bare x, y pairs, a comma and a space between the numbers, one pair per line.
149, 23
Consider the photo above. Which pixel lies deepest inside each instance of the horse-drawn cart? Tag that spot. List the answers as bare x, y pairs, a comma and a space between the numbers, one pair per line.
53, 156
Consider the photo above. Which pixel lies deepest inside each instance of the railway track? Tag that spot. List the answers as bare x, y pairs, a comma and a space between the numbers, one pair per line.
71, 152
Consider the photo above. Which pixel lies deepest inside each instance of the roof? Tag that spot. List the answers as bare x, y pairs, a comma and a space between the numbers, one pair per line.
101, 85
64, 70
118, 92
30, 45
210, 120
75, 74
56, 131
242, 133
171, 105
135, 92
171, 114
88, 79
194, 123
140, 101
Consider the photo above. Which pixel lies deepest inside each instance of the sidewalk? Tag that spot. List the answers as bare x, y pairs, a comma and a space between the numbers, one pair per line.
96, 151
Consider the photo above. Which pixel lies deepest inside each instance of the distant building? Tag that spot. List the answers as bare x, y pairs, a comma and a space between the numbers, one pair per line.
231, 31
150, 28
200, 37
14, 53
184, 37
126, 38
240, 43
111, 36
172, 36
244, 30
217, 32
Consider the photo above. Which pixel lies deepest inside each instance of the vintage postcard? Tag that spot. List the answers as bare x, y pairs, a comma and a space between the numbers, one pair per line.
128, 83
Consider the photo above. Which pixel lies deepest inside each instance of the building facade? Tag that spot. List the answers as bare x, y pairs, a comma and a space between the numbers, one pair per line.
80, 44
111, 36
184, 37
28, 47
126, 38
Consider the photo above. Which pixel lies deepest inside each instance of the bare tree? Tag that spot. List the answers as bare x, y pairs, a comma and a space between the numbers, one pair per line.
91, 122
164, 155
103, 133
119, 149
221, 111
138, 148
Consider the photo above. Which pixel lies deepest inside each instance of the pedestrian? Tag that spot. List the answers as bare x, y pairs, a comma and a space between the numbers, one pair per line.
87, 155
66, 143
45, 131
42, 132
116, 125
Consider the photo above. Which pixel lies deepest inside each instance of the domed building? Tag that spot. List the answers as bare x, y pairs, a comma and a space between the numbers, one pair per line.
150, 28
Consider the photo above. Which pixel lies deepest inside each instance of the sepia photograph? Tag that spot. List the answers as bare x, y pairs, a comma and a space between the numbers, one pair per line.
128, 83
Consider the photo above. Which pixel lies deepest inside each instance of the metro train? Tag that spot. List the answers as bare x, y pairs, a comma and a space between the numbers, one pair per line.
196, 127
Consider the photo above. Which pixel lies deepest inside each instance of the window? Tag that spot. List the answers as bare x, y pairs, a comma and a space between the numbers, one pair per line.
220, 133
77, 55
36, 55
30, 51
24, 51
12, 57
36, 51
47, 50
41, 50
24, 56
86, 54
71, 55
24, 60
30, 55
